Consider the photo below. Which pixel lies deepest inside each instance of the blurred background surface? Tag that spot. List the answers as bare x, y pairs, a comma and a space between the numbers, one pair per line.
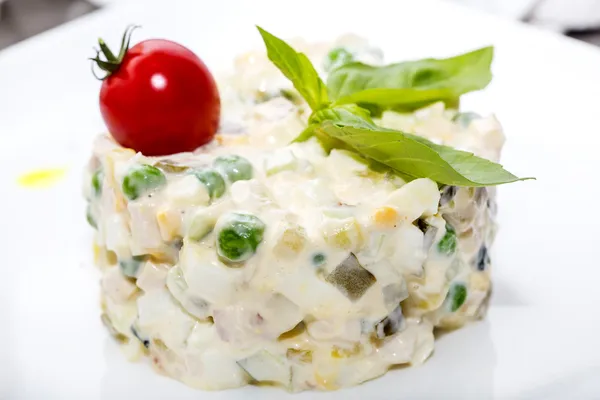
20, 19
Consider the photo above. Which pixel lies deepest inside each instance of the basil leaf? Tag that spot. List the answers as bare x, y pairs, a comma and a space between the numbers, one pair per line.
414, 84
413, 155
298, 69
349, 112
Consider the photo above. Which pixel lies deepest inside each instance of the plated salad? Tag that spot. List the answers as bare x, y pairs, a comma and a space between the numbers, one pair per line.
282, 229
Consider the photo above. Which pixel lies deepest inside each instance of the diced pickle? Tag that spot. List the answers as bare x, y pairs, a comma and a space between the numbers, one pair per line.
141, 179
171, 167
234, 167
130, 267
483, 258
350, 278
137, 334
238, 236
266, 367
214, 182
448, 243
447, 195
456, 296
390, 324
190, 301
429, 233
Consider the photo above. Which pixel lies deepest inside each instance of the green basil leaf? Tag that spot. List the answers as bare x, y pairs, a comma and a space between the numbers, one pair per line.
412, 84
413, 155
298, 69
349, 112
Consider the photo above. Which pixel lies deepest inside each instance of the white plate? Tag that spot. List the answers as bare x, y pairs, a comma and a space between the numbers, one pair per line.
540, 339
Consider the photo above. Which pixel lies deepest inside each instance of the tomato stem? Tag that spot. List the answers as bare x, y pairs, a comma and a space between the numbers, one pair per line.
111, 63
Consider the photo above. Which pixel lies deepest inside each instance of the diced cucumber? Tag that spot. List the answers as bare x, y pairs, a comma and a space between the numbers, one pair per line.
391, 324
266, 367
136, 332
179, 289
131, 267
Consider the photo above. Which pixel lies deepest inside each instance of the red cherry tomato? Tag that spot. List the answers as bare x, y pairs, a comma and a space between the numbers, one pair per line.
158, 97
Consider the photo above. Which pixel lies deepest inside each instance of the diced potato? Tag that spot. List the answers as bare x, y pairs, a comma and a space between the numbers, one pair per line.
281, 160
117, 286
187, 191
145, 233
207, 276
169, 223
220, 371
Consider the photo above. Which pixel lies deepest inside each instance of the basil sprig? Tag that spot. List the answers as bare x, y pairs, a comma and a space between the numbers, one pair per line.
298, 69
410, 85
349, 126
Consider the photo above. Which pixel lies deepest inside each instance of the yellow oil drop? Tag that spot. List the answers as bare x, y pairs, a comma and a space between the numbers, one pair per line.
42, 178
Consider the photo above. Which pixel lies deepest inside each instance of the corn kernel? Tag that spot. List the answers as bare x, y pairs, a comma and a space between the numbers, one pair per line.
385, 217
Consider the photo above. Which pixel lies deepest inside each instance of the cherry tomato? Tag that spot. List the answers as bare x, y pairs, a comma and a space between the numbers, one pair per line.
158, 97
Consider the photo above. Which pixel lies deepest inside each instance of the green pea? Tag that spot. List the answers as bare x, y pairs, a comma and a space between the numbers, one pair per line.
141, 179
130, 267
448, 243
213, 181
336, 58
90, 218
464, 119
97, 179
239, 236
318, 259
234, 167
456, 296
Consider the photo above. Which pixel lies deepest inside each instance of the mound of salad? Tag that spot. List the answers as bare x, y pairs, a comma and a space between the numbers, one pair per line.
282, 229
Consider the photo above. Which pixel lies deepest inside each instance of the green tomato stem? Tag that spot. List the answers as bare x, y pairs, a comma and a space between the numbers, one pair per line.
111, 63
